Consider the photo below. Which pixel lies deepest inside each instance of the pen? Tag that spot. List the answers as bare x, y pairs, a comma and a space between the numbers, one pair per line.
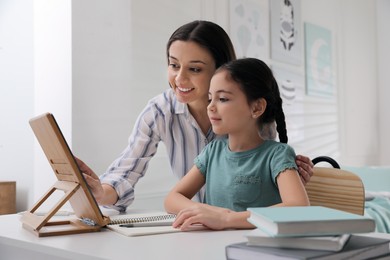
148, 224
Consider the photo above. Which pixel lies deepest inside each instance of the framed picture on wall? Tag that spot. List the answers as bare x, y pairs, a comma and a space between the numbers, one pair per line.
286, 36
249, 28
318, 61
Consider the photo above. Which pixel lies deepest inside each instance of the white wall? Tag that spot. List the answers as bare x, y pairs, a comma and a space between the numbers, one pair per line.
100, 62
35, 77
16, 96
52, 78
359, 75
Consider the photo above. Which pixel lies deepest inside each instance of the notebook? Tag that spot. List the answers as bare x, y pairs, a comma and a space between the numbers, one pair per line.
154, 217
146, 224
120, 224
308, 221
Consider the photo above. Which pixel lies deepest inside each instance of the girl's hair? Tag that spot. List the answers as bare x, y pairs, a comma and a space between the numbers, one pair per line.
256, 80
208, 35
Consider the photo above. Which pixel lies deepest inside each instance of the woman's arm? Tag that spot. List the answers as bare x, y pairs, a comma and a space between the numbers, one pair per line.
115, 188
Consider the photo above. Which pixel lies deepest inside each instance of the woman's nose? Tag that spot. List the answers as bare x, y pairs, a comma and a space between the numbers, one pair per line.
181, 76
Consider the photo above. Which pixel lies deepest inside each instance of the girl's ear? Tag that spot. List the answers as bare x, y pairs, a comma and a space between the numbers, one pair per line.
258, 107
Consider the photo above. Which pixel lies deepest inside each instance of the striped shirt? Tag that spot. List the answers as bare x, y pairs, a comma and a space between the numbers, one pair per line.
166, 120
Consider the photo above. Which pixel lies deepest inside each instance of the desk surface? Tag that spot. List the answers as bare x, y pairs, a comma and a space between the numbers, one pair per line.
18, 243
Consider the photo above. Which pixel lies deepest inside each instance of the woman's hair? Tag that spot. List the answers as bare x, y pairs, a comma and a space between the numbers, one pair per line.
208, 35
256, 80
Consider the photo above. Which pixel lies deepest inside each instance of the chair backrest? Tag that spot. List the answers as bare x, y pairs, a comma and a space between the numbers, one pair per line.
336, 188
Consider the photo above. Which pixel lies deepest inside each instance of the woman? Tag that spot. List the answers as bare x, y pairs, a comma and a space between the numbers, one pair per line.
177, 117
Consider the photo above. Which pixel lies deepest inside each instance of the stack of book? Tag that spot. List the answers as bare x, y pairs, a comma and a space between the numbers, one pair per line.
308, 233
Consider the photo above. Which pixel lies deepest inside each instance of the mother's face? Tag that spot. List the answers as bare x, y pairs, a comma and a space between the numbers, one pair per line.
190, 68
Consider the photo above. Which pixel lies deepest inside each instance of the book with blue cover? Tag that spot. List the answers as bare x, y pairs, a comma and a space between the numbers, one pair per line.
308, 221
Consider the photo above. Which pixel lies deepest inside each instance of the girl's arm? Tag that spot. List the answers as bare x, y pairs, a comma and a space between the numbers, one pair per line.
178, 201
292, 193
291, 189
180, 196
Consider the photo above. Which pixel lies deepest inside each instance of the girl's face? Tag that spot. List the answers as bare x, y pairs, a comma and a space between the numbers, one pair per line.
190, 70
228, 111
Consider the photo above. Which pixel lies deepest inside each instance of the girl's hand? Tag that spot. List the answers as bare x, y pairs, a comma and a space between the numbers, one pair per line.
209, 216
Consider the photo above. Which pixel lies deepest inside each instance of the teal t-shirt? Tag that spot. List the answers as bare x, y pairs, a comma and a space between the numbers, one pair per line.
238, 180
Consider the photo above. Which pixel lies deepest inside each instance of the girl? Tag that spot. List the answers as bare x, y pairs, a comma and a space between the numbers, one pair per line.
177, 117
243, 169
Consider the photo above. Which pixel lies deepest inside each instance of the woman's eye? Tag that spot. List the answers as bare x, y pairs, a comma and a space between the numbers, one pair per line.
197, 70
173, 65
223, 99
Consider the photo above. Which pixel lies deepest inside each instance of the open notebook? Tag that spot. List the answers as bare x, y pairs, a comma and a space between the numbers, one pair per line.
70, 180
149, 224
127, 224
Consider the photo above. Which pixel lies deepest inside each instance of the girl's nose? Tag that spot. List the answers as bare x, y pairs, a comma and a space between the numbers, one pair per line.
211, 106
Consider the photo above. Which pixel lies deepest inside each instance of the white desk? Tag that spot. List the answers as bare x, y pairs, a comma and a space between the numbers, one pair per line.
18, 243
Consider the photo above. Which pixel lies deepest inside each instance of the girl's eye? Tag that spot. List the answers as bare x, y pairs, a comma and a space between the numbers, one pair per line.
223, 99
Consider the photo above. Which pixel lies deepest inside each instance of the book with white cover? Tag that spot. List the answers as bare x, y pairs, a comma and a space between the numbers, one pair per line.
257, 237
308, 221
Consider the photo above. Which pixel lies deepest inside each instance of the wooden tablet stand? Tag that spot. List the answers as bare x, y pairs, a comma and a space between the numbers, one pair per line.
42, 226
88, 217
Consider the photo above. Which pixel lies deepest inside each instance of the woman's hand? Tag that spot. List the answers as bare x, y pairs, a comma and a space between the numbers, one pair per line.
305, 168
92, 179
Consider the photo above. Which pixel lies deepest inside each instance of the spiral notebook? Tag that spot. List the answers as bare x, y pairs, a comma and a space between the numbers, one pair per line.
117, 224
141, 218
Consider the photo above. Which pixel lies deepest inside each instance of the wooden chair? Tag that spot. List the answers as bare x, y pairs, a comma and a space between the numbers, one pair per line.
335, 188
